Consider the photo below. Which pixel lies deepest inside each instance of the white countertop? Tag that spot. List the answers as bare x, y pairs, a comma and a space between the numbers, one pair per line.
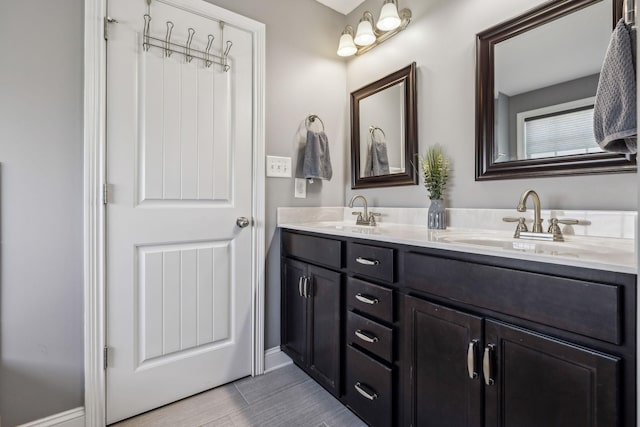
596, 252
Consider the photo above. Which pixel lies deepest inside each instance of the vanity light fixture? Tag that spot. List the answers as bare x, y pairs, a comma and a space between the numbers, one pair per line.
390, 23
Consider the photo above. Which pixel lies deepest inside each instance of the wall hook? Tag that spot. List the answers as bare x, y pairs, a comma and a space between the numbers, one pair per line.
207, 59
188, 46
167, 39
225, 55
145, 40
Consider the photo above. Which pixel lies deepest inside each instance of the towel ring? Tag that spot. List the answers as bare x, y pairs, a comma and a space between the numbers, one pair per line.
372, 129
311, 118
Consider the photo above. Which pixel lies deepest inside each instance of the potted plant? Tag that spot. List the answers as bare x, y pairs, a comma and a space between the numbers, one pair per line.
435, 174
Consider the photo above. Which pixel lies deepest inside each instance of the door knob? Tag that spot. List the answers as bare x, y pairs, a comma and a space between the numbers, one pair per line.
242, 222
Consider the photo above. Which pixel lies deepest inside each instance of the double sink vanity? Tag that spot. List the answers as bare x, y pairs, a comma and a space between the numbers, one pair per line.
502, 319
466, 326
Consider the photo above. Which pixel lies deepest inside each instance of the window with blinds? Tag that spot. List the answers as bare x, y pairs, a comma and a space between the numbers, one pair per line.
560, 133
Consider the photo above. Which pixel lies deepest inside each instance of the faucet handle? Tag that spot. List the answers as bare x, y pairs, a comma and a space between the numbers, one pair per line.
372, 218
568, 221
520, 227
511, 219
554, 228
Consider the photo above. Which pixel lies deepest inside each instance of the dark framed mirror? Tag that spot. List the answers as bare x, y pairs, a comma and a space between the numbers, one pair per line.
384, 133
536, 79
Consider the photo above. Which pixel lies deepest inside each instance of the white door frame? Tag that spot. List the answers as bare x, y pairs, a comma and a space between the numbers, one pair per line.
94, 209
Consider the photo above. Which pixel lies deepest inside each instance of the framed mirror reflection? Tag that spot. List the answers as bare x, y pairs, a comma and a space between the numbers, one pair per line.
536, 81
384, 131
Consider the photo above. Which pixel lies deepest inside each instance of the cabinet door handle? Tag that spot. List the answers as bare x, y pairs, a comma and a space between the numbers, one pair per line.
471, 360
487, 364
306, 286
360, 388
366, 336
365, 261
366, 299
300, 285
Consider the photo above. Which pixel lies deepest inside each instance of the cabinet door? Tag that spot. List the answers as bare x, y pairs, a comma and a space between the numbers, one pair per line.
324, 327
441, 365
294, 311
540, 381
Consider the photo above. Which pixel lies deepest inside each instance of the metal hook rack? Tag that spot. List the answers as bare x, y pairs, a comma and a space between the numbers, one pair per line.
311, 118
170, 47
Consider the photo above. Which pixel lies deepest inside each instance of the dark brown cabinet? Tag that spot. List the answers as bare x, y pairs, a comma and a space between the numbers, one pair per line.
466, 371
413, 336
441, 376
540, 381
311, 320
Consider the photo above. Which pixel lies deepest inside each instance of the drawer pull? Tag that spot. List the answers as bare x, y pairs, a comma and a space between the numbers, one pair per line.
471, 360
300, 285
365, 261
487, 364
360, 388
366, 336
366, 299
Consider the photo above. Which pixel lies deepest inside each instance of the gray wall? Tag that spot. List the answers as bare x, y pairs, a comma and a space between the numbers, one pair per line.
41, 354
441, 39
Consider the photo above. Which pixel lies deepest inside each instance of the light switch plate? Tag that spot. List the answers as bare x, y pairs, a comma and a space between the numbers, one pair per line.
279, 167
301, 188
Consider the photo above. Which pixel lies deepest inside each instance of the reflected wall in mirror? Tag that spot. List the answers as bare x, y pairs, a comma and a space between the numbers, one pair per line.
536, 81
384, 131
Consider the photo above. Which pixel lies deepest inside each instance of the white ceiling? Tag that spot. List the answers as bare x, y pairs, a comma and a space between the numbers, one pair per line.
343, 6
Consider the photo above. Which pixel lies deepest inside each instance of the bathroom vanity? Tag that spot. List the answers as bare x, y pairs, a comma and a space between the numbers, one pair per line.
415, 329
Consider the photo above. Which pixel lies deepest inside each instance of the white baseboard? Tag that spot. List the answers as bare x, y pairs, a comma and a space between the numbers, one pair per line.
71, 418
274, 359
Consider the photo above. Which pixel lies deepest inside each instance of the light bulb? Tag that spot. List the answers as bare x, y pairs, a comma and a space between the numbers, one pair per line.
346, 47
364, 35
389, 19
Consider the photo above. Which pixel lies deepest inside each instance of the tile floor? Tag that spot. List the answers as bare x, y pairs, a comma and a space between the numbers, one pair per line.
284, 397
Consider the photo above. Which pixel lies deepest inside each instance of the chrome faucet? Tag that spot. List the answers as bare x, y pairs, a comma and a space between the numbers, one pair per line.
537, 220
364, 202
364, 217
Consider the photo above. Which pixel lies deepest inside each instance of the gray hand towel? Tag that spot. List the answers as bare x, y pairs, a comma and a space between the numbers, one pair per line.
377, 159
614, 115
317, 161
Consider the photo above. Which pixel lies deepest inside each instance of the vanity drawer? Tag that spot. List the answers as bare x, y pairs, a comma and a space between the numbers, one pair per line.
369, 388
370, 335
371, 261
370, 299
317, 250
586, 308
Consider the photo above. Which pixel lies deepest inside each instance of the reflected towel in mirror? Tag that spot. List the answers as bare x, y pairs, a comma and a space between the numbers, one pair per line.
317, 161
377, 162
614, 115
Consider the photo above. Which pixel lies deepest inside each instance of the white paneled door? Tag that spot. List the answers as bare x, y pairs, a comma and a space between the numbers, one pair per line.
179, 168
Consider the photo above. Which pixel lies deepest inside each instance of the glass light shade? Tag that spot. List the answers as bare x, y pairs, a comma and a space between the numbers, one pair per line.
364, 35
346, 47
389, 18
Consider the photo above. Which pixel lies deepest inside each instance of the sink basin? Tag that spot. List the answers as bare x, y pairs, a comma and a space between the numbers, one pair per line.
346, 227
574, 248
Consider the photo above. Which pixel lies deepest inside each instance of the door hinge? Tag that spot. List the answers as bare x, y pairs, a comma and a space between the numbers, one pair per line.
105, 194
108, 20
105, 357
